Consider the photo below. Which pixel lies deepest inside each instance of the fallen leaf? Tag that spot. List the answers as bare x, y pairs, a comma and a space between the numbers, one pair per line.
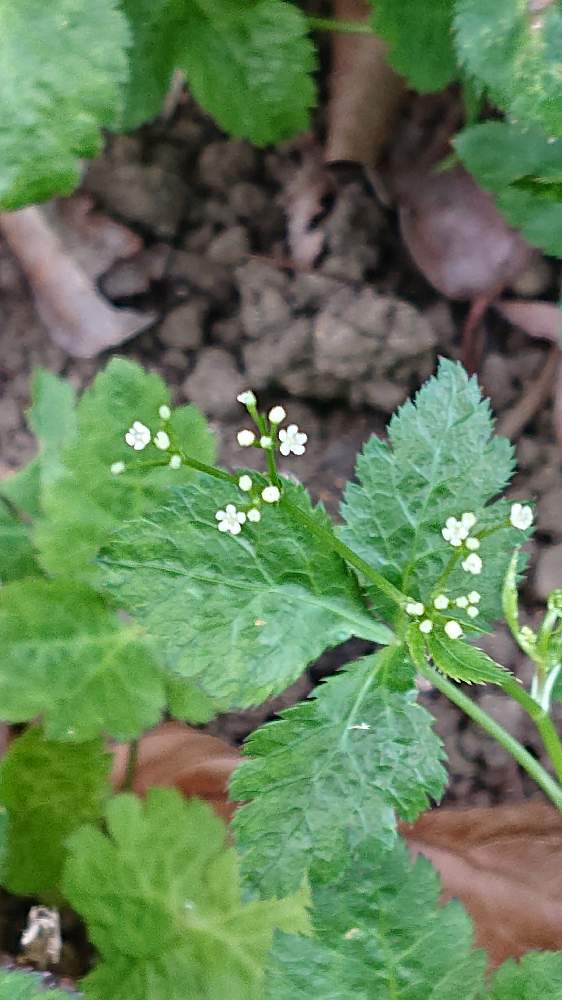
75, 315
303, 197
538, 319
505, 865
175, 755
365, 92
92, 238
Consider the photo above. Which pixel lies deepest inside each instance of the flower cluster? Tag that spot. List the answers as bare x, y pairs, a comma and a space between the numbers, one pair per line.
231, 519
139, 436
441, 602
457, 533
289, 440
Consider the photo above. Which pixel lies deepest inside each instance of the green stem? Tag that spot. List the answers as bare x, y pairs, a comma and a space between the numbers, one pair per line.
131, 769
542, 721
333, 542
550, 787
210, 470
332, 24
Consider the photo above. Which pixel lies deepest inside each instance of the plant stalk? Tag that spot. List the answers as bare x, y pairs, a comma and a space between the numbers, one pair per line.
550, 787
332, 24
542, 720
131, 769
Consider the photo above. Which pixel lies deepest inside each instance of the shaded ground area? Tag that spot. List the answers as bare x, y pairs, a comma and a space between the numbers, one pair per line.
341, 340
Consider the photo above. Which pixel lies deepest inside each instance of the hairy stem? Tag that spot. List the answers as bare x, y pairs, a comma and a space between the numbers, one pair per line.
542, 720
131, 769
332, 24
550, 787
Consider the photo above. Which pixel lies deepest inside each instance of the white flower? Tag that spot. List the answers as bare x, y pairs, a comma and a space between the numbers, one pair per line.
474, 597
292, 440
254, 515
521, 516
414, 608
247, 398
138, 436
265, 441
461, 602
277, 415
245, 483
468, 519
441, 602
245, 438
162, 441
454, 531
271, 494
426, 626
472, 564
117, 468
472, 544
453, 630
472, 611
175, 462
230, 520
165, 412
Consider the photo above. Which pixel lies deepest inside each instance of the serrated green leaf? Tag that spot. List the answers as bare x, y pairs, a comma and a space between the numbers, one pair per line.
161, 897
241, 616
52, 418
534, 977
16, 985
250, 66
87, 502
17, 556
67, 658
395, 670
380, 935
441, 460
63, 66
50, 790
421, 45
515, 55
463, 662
156, 30
331, 773
518, 167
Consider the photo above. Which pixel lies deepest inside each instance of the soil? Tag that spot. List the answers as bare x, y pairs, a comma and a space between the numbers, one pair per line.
340, 341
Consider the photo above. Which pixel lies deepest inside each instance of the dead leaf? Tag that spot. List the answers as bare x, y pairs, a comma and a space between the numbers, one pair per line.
177, 756
538, 319
505, 866
303, 195
365, 92
92, 238
75, 315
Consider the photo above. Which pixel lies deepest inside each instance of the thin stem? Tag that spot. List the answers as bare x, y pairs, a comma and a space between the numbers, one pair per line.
333, 542
332, 24
210, 470
131, 769
542, 720
550, 787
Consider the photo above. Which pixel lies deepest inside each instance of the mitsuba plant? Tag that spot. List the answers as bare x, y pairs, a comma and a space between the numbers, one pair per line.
140, 579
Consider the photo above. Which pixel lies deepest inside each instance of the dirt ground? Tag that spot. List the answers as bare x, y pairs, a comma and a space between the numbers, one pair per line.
340, 340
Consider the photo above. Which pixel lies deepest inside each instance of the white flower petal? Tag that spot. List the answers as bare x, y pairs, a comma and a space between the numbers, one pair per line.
223, 526
271, 494
247, 398
175, 461
426, 626
472, 564
521, 516
474, 597
245, 483
461, 602
162, 441
468, 520
164, 412
277, 415
117, 468
453, 630
254, 515
472, 544
472, 611
245, 438
441, 602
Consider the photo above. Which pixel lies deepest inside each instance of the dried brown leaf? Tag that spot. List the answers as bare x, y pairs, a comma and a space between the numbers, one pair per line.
75, 315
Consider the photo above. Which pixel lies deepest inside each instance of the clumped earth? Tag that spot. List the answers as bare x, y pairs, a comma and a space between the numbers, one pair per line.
302, 290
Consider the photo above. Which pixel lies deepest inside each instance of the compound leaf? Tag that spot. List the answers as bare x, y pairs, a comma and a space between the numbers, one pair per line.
537, 976
49, 789
522, 170
516, 56
63, 67
441, 461
380, 935
17, 556
26, 986
250, 66
421, 47
241, 616
87, 502
160, 895
330, 774
67, 658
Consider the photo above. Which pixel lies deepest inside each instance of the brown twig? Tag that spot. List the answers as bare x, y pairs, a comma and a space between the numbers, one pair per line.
513, 422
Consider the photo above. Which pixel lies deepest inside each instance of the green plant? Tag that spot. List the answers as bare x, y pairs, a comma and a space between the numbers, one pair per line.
70, 69
232, 584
